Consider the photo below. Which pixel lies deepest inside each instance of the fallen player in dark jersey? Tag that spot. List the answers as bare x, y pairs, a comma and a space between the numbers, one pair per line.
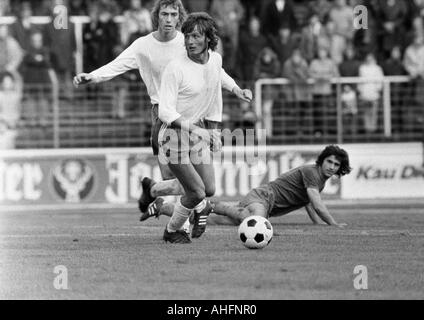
298, 188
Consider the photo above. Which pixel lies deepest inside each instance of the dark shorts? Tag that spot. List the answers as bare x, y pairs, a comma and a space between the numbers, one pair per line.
156, 125
263, 195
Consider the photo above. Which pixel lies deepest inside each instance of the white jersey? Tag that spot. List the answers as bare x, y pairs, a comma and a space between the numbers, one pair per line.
150, 56
191, 90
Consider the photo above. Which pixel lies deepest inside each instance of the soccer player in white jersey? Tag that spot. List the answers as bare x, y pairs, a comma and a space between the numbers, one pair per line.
151, 54
190, 95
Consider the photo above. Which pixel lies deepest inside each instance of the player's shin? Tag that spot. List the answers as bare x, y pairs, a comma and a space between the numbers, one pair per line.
236, 214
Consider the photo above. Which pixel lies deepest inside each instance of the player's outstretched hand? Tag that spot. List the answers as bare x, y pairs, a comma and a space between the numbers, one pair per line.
245, 95
82, 78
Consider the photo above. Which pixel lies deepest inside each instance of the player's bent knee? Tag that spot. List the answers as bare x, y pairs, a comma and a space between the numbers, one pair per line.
197, 195
210, 190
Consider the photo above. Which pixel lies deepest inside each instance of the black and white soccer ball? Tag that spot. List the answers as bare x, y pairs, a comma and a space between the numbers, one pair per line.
256, 232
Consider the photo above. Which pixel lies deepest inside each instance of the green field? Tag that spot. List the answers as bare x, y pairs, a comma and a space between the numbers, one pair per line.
110, 255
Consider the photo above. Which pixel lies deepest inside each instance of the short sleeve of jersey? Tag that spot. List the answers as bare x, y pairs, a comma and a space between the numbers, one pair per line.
311, 179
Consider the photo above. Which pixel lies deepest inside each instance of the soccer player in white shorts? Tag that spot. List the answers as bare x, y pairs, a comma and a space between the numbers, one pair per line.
190, 95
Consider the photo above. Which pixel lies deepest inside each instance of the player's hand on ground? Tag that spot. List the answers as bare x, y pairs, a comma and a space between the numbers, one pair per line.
245, 95
341, 225
82, 78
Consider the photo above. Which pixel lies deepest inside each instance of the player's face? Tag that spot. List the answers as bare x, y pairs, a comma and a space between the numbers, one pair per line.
168, 19
330, 166
195, 43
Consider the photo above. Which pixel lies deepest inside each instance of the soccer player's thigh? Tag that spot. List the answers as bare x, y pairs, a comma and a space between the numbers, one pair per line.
257, 209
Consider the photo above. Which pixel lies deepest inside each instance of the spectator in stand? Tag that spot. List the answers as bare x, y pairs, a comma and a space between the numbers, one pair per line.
101, 38
197, 5
365, 40
327, 38
298, 93
137, 20
309, 37
37, 72
393, 66
62, 45
11, 53
251, 43
4, 8
21, 29
321, 8
322, 70
228, 15
284, 44
370, 92
277, 13
10, 108
414, 65
392, 15
78, 8
350, 65
267, 66
342, 16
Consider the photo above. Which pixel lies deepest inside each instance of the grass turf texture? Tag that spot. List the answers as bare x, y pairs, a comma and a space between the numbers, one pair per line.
110, 255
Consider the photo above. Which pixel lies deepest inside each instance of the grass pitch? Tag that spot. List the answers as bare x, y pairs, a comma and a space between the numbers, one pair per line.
110, 255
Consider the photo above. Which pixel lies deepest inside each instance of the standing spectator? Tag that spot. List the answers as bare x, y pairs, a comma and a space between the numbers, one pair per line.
370, 92
284, 44
36, 70
414, 65
62, 45
275, 14
22, 28
78, 8
251, 43
350, 65
228, 15
322, 70
101, 38
309, 37
11, 53
267, 66
393, 66
321, 8
4, 8
136, 19
392, 15
342, 16
298, 93
10, 108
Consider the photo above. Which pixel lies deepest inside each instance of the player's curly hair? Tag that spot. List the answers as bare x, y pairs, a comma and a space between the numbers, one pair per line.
205, 24
340, 155
177, 4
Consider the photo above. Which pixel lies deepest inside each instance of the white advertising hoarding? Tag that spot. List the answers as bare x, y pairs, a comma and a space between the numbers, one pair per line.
385, 171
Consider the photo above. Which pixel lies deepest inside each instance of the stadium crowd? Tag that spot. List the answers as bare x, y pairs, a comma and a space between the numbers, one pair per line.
293, 39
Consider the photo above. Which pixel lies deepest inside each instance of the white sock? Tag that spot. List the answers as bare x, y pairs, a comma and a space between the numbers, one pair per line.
179, 217
201, 206
186, 226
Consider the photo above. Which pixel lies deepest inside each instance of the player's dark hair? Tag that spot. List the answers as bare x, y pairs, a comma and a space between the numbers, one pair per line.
340, 155
177, 4
205, 25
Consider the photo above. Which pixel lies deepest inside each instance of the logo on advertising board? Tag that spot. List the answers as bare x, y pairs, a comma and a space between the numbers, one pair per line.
73, 180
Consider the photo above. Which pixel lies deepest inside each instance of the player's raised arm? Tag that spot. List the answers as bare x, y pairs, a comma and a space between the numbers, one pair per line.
321, 209
124, 62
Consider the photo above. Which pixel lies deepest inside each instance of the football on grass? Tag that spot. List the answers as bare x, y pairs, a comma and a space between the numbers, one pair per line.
255, 232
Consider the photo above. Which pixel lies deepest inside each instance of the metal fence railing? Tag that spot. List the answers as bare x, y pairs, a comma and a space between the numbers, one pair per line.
353, 110
117, 114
